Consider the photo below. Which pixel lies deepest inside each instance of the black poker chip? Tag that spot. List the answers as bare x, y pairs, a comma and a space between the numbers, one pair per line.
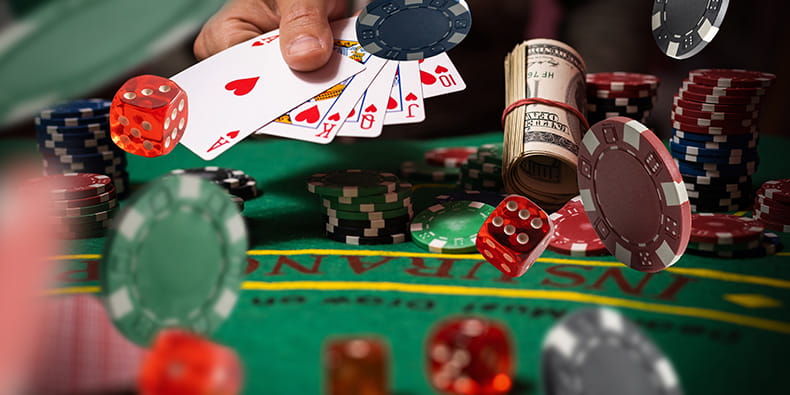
366, 232
374, 240
390, 223
236, 182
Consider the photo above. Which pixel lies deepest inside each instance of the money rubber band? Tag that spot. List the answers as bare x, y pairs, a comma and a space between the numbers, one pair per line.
534, 100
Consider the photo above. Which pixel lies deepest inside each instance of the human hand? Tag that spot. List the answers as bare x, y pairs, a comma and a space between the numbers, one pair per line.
306, 39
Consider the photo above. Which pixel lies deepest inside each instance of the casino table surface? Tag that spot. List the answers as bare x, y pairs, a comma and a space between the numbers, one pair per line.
725, 324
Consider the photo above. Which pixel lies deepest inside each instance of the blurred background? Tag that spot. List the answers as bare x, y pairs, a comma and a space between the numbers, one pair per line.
53, 50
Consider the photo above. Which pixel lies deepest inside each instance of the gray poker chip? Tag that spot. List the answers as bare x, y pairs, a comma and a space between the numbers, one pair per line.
682, 28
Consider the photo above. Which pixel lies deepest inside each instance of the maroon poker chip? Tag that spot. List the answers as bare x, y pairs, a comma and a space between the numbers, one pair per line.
717, 130
732, 78
778, 190
449, 156
715, 116
713, 107
630, 94
573, 233
646, 221
85, 202
75, 185
742, 123
716, 91
622, 81
723, 229
770, 224
737, 100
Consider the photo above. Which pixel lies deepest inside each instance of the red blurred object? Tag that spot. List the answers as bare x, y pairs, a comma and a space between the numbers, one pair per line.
514, 235
357, 367
470, 355
148, 116
182, 363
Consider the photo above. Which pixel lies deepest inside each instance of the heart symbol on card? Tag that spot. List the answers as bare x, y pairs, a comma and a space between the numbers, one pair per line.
441, 69
392, 104
427, 78
352, 113
257, 44
232, 134
371, 108
334, 117
243, 86
411, 97
310, 115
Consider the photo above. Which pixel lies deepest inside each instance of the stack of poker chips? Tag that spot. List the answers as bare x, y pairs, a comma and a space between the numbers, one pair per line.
363, 207
440, 165
719, 235
620, 94
772, 205
714, 137
84, 204
75, 137
483, 170
240, 186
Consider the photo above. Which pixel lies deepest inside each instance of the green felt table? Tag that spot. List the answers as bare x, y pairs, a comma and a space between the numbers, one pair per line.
725, 324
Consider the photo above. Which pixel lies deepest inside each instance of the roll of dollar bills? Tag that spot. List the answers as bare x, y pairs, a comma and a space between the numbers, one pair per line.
541, 139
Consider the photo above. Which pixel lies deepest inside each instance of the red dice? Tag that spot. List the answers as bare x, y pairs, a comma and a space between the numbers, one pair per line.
470, 355
148, 116
357, 366
514, 235
182, 363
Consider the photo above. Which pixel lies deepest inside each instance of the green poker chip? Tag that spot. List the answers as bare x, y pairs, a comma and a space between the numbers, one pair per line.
175, 257
427, 172
369, 216
352, 183
489, 153
366, 207
450, 227
402, 191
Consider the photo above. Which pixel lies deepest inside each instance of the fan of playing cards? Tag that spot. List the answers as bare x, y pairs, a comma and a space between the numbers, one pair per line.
249, 88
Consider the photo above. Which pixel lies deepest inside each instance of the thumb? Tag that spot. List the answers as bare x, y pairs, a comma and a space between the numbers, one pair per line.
305, 36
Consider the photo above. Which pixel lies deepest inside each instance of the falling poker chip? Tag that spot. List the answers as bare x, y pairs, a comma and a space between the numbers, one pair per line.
600, 351
682, 28
412, 29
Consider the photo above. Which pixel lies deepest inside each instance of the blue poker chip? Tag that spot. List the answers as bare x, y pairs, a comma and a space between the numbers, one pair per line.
108, 167
412, 29
75, 141
714, 145
84, 108
716, 170
93, 127
59, 151
720, 138
719, 160
733, 153
72, 121
96, 157
487, 197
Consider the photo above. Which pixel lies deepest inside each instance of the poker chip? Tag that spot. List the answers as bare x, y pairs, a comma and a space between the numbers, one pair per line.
769, 245
723, 116
718, 205
682, 28
84, 218
714, 159
67, 204
713, 247
388, 223
487, 197
621, 81
600, 351
449, 156
712, 107
72, 138
387, 28
716, 170
366, 232
730, 195
713, 129
239, 202
573, 233
712, 145
140, 297
86, 142
234, 181
426, 172
352, 183
402, 191
607, 94
372, 240
777, 189
723, 229
366, 208
772, 225
735, 139
732, 78
95, 128
717, 91
633, 214
86, 108
483, 170
741, 123
450, 227
76, 185
368, 216
713, 99
77, 121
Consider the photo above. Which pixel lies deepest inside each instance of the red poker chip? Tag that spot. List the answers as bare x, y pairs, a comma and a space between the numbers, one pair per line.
75, 185
716, 130
715, 116
724, 229
716, 91
573, 233
713, 107
622, 81
772, 213
449, 156
629, 94
778, 190
85, 202
743, 123
711, 99
732, 78
646, 221
773, 225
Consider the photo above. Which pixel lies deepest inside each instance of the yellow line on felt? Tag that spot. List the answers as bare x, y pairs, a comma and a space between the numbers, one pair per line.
73, 290
696, 312
694, 272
